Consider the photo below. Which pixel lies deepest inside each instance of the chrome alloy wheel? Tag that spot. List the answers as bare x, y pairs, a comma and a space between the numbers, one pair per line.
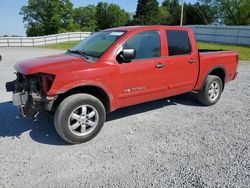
214, 91
83, 120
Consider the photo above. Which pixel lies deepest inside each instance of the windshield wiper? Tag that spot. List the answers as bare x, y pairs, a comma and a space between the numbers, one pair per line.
78, 52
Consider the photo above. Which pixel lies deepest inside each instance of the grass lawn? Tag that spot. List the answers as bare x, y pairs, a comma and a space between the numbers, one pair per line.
61, 46
243, 51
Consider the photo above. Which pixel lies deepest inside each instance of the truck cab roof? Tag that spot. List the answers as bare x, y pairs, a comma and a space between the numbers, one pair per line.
145, 27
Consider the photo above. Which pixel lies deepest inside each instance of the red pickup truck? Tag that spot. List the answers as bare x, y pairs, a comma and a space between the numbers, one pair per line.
115, 68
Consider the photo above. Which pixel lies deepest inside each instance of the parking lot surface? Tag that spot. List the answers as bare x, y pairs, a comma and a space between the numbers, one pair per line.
173, 142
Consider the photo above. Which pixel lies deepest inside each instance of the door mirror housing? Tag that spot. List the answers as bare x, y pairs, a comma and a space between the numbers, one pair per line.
126, 55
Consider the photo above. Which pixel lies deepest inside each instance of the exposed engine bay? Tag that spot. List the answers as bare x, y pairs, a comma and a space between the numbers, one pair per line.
30, 93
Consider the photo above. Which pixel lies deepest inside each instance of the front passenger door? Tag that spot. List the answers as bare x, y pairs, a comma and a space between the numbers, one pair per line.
143, 79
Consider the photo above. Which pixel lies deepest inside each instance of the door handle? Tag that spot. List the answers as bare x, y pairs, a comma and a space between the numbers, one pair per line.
159, 65
191, 61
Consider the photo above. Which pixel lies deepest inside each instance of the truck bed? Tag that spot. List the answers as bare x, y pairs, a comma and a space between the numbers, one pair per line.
228, 60
209, 50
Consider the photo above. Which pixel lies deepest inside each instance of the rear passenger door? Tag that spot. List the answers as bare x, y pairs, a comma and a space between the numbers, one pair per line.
182, 62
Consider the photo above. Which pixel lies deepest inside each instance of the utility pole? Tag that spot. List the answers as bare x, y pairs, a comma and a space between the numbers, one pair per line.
182, 7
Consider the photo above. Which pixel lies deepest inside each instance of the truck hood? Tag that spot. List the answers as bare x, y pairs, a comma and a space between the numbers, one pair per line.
49, 64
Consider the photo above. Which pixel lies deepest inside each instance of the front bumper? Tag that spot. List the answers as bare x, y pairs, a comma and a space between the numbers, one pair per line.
29, 106
25, 106
29, 94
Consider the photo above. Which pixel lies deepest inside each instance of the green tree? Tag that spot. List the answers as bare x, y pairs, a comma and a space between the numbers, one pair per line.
147, 13
164, 15
236, 12
85, 17
202, 12
199, 14
43, 17
110, 15
230, 12
174, 9
102, 15
118, 16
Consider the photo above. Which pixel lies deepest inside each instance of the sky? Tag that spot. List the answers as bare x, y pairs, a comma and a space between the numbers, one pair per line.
11, 21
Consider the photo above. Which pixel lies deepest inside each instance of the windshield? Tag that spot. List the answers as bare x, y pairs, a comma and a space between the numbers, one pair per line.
96, 44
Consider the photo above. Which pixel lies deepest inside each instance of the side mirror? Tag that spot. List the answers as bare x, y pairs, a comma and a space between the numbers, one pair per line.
0, 58
126, 55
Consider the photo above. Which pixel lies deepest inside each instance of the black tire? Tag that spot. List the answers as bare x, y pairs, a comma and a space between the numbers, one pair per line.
74, 103
203, 95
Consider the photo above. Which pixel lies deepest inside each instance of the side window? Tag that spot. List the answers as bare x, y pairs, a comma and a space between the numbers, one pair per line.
147, 44
178, 42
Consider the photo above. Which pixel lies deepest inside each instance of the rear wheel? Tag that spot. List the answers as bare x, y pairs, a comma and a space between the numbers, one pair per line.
211, 91
79, 118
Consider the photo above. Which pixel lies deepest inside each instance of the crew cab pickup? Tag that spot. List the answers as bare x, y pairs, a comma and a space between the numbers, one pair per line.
115, 68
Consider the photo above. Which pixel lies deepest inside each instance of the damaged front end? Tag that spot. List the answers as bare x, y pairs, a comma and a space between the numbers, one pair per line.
30, 93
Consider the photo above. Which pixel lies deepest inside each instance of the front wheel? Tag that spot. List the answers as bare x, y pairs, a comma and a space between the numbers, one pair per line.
79, 118
211, 91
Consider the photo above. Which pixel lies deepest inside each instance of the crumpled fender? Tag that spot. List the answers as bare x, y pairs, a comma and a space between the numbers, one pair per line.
81, 83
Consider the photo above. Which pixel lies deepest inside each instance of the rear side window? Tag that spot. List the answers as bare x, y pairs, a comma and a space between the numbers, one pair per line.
178, 42
147, 44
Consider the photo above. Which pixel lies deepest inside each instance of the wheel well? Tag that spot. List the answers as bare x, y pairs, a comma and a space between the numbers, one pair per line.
220, 73
92, 90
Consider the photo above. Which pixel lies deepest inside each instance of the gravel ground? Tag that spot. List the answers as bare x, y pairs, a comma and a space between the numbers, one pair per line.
173, 142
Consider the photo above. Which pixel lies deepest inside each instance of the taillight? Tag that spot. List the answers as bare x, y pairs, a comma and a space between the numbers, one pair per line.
237, 58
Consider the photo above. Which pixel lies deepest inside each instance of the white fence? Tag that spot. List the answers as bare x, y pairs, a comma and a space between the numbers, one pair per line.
239, 35
43, 40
